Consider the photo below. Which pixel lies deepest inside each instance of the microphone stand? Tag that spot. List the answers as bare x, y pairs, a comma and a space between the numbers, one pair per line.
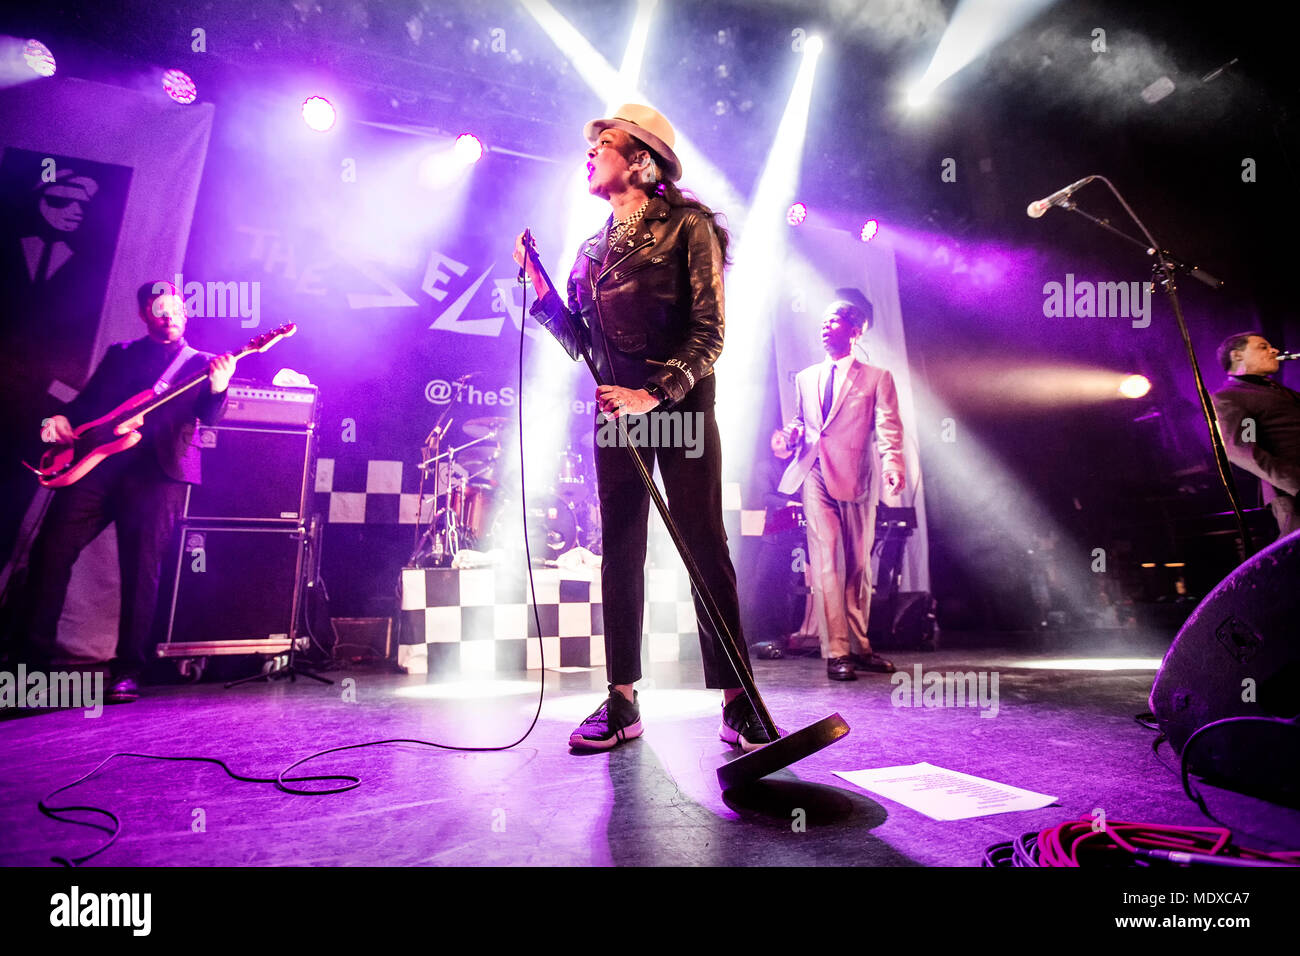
783, 750
1163, 269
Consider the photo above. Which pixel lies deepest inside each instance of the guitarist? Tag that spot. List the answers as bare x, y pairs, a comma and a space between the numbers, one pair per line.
141, 490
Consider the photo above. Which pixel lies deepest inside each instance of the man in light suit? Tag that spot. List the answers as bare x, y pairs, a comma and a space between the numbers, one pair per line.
849, 439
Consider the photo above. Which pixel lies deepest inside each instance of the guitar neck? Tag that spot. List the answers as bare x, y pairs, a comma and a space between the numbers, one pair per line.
184, 386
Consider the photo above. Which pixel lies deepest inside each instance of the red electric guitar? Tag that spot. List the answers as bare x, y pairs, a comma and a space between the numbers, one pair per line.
64, 465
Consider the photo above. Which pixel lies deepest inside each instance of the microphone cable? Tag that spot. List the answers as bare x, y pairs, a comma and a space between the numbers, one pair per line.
1088, 842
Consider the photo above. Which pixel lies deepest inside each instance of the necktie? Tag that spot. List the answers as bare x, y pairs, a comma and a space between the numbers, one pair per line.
828, 394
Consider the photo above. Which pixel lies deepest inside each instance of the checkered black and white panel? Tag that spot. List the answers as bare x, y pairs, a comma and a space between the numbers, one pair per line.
370, 492
480, 621
387, 492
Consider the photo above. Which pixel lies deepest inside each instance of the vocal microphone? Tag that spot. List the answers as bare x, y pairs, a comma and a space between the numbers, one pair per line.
1287, 356
528, 242
1040, 206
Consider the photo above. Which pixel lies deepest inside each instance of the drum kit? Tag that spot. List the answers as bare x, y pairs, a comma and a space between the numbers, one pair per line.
471, 509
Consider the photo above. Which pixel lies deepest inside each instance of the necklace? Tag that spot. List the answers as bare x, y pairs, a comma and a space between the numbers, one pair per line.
622, 227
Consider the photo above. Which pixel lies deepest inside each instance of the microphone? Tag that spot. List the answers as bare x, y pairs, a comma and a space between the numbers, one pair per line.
528, 242
1040, 206
1288, 356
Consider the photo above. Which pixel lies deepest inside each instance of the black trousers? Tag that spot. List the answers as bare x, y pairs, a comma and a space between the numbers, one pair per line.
131, 491
694, 493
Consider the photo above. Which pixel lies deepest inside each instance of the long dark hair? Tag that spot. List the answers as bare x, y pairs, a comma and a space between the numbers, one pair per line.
669, 192
676, 198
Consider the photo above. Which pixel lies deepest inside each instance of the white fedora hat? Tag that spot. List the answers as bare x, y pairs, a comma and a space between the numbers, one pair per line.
645, 124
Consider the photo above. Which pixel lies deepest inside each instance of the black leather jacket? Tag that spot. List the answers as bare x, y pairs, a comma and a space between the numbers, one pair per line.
651, 316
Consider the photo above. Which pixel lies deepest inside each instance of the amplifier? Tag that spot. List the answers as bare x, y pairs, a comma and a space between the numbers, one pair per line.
237, 591
271, 404
253, 474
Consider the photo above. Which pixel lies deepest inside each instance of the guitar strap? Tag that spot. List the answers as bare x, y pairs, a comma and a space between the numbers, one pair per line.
165, 380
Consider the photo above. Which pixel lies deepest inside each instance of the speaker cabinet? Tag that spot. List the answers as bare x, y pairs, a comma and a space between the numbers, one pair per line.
237, 591
253, 474
1238, 655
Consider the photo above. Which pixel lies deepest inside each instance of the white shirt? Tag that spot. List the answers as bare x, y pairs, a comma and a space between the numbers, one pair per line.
841, 373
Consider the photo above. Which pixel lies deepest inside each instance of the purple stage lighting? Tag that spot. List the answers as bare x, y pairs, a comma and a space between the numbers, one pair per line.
180, 87
39, 58
318, 113
468, 149
869, 230
796, 214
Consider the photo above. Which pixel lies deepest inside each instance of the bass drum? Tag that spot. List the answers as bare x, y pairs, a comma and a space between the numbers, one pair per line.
552, 526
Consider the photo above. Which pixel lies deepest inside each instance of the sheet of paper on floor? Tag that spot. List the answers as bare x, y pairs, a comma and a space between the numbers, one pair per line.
944, 794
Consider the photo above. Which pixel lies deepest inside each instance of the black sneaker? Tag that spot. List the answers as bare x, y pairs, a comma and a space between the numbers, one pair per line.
614, 721
741, 726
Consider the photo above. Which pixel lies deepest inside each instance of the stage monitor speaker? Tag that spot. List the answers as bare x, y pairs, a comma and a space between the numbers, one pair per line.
253, 474
1238, 655
236, 589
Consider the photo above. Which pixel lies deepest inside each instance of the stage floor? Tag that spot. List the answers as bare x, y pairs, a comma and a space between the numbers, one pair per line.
1059, 730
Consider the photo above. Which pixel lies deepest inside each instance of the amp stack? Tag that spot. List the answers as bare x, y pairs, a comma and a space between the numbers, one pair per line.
249, 545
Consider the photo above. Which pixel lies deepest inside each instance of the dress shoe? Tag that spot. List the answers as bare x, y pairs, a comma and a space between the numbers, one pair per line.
123, 690
840, 668
872, 662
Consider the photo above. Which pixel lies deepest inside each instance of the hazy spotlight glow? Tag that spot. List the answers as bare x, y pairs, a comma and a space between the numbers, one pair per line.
39, 58
468, 149
975, 28
1135, 386
870, 229
318, 113
180, 87
814, 46
1092, 664
761, 255
474, 689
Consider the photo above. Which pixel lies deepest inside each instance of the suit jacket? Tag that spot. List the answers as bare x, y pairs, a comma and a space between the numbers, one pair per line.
1274, 455
168, 433
864, 424
650, 309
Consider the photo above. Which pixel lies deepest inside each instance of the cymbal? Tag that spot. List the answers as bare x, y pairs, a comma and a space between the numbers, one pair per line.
478, 427
479, 455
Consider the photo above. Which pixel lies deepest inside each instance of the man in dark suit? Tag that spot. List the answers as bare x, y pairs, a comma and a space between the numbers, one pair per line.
849, 438
142, 489
1259, 420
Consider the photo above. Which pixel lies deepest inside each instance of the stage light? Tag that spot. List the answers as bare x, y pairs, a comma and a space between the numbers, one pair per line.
318, 113
870, 229
468, 149
180, 87
814, 46
39, 58
1135, 386
796, 214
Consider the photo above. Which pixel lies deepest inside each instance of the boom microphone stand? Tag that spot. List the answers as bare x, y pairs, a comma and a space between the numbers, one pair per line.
1164, 266
782, 751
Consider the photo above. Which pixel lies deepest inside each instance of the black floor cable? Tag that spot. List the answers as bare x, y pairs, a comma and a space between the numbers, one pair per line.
281, 780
